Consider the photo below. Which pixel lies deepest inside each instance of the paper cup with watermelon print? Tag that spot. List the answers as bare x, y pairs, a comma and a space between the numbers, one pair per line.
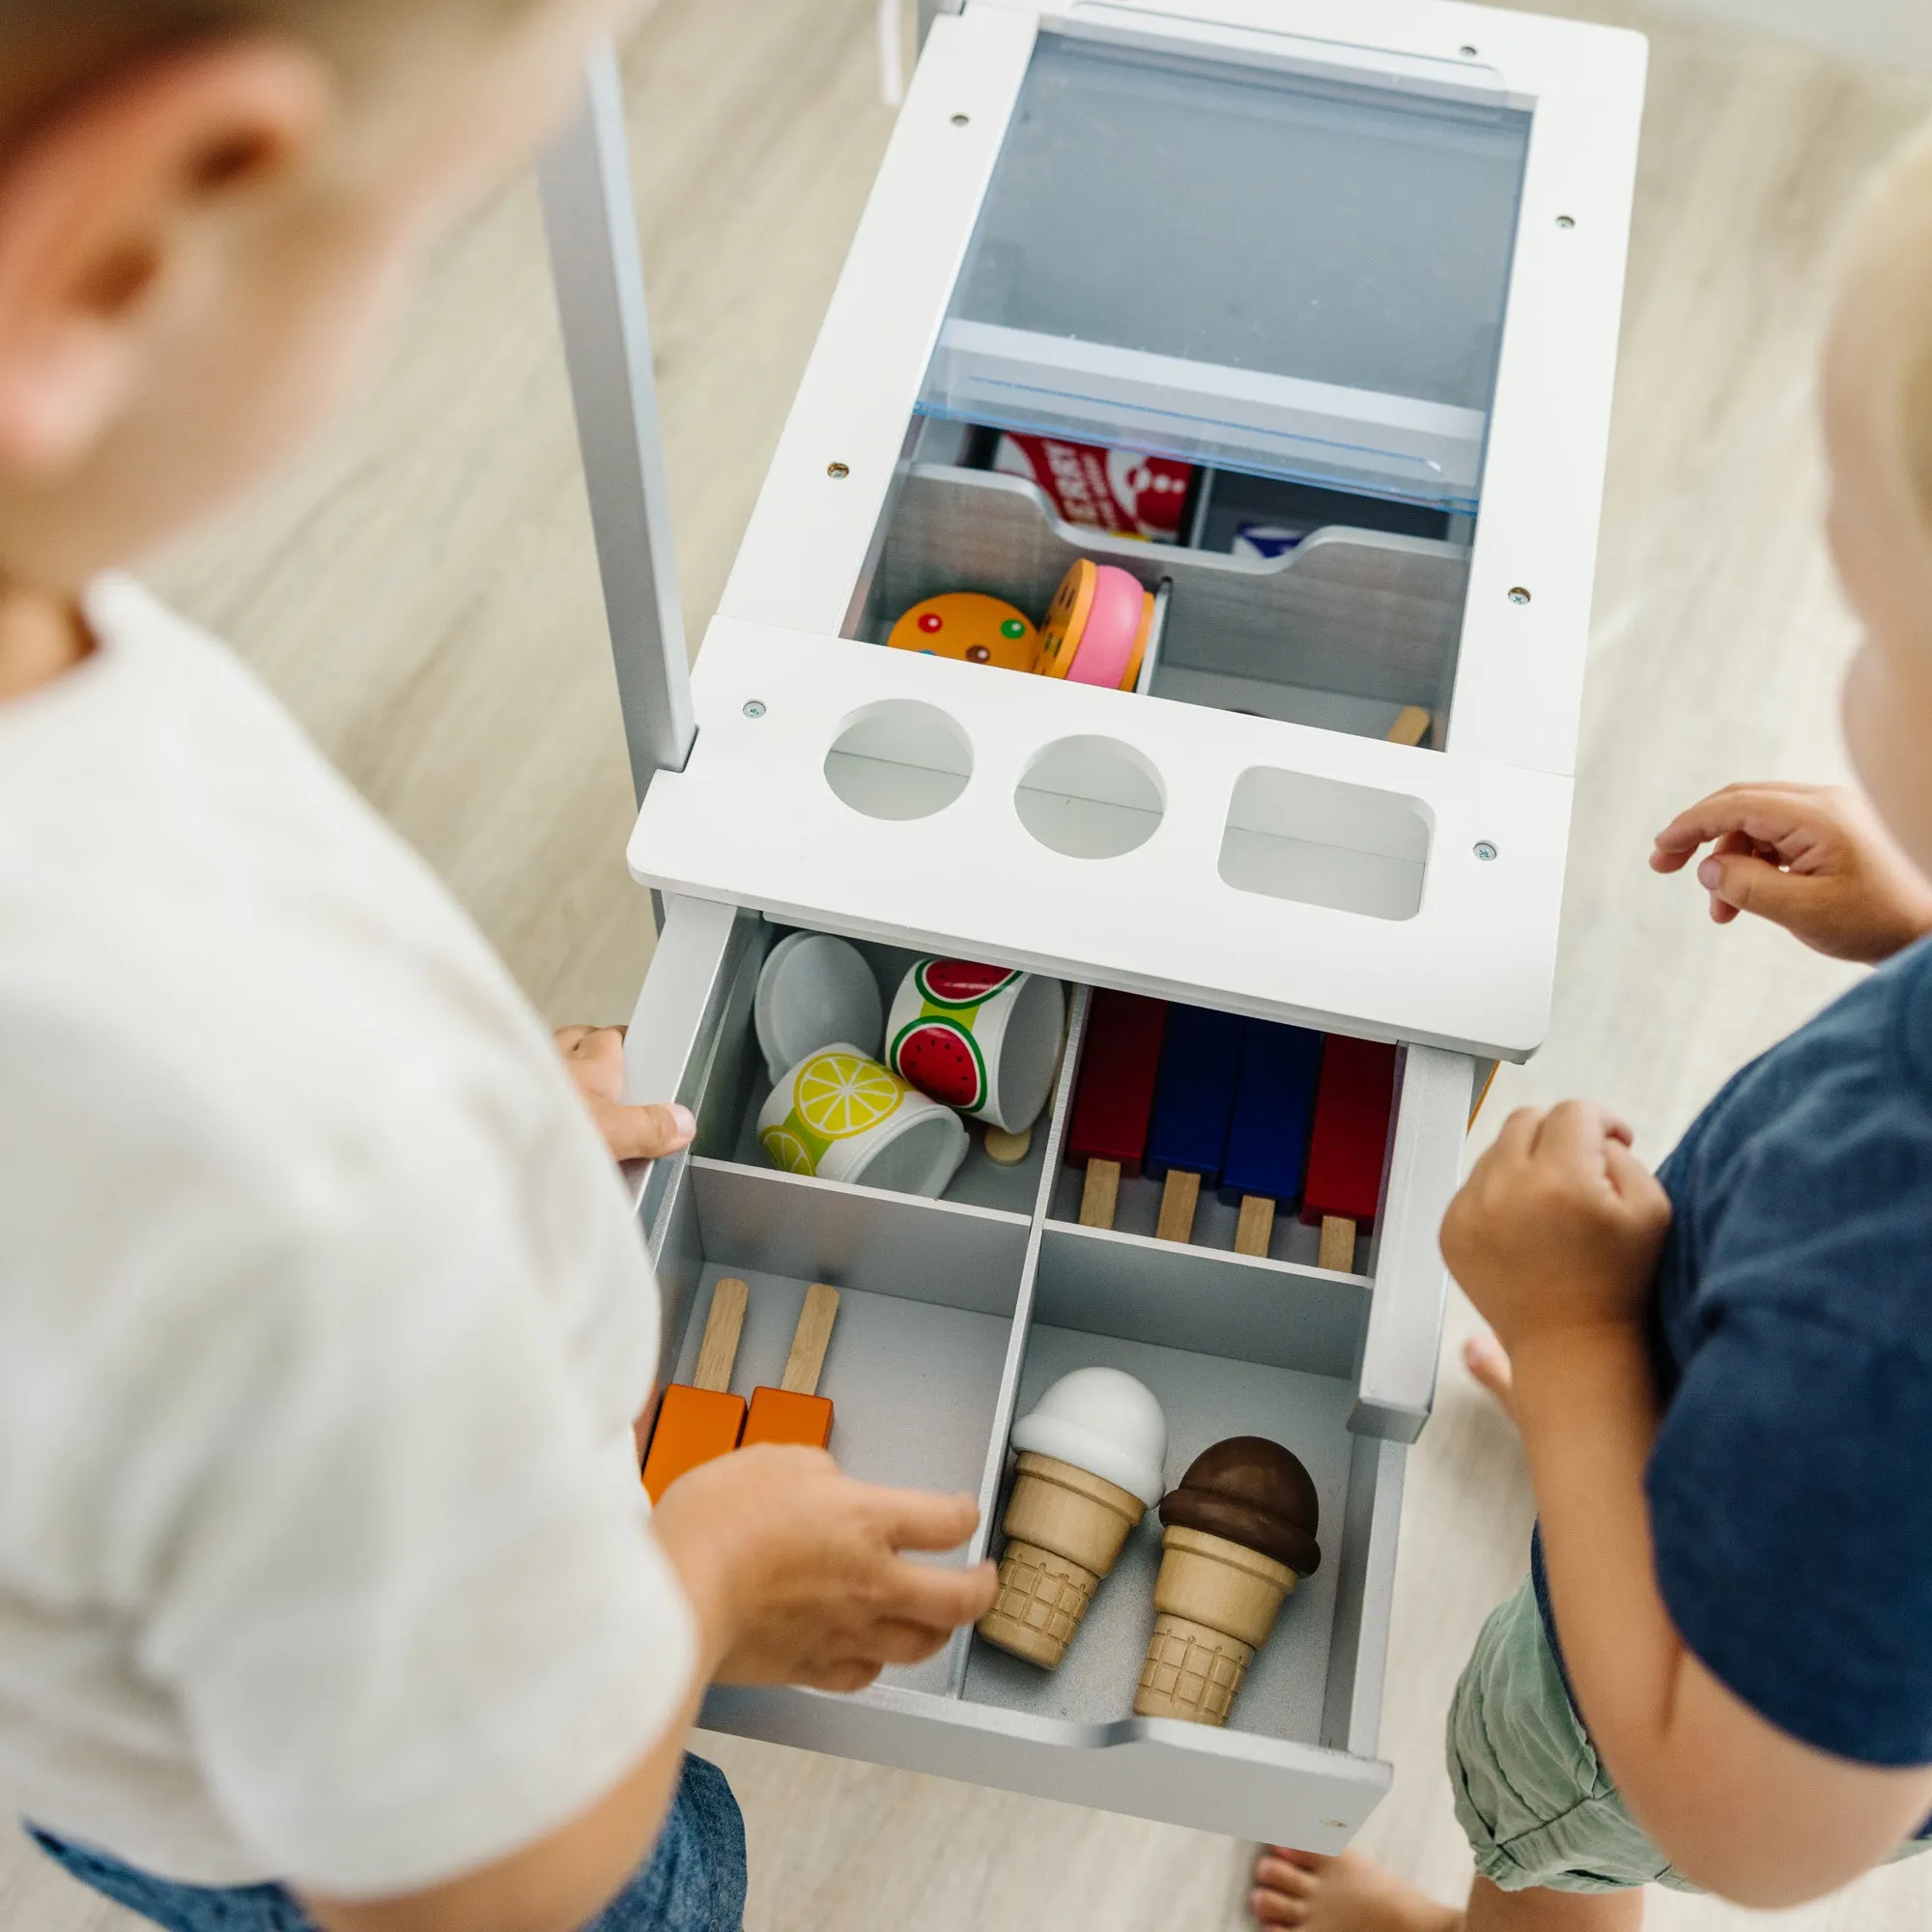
981, 1038
843, 1117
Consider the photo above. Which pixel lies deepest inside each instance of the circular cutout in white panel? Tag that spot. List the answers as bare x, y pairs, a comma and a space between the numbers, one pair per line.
899, 759
1091, 798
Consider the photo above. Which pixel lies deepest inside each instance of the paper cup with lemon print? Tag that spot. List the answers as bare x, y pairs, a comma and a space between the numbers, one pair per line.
843, 1117
981, 1038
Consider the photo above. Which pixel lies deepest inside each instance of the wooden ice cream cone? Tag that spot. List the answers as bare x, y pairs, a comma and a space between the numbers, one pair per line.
1190, 1673
1064, 1530
1217, 1601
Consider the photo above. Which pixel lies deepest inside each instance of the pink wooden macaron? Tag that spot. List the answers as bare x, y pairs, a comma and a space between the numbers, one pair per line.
1097, 631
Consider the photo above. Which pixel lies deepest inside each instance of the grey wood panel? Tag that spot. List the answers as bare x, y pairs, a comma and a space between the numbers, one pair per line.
955, 1257
1202, 1299
1354, 611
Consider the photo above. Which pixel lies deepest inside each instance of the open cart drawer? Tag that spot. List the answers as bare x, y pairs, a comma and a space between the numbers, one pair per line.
957, 1312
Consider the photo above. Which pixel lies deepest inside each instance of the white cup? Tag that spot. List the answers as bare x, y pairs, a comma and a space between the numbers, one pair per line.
981, 1038
813, 990
842, 1116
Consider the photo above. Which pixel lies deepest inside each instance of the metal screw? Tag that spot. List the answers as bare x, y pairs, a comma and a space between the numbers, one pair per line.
1565, 221
960, 119
754, 709
1468, 53
1519, 595
837, 472
1485, 851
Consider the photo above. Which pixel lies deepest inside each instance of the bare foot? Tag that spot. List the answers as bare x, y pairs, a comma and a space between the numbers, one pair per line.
1339, 1894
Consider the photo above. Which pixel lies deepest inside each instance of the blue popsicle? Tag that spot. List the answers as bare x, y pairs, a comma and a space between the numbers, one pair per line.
1268, 1136
1193, 1103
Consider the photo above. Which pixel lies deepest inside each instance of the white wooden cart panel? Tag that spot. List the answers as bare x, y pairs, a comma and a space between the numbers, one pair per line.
753, 820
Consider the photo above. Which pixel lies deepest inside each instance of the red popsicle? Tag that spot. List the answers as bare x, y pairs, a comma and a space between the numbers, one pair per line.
795, 1411
701, 1420
1350, 1141
1114, 1100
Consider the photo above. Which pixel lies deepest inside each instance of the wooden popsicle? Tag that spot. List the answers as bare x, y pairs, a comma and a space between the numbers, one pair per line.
1114, 1100
701, 1420
1412, 725
1268, 1135
1194, 1100
795, 1411
1345, 1151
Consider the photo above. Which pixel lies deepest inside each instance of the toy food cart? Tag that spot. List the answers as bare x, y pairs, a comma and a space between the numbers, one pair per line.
1351, 271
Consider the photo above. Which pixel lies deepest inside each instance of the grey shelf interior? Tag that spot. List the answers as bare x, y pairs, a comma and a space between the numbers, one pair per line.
955, 1316
1339, 634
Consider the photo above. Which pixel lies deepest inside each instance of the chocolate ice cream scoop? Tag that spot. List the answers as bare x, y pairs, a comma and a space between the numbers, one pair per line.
1254, 1492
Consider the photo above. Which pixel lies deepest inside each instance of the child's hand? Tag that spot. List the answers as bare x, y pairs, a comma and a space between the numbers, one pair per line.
596, 1058
1813, 859
795, 1569
1558, 1227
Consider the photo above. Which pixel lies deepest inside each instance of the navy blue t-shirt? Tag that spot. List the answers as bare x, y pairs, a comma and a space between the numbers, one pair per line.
1791, 1324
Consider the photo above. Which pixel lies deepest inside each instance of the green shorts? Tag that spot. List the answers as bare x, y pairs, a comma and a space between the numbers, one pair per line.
1538, 1807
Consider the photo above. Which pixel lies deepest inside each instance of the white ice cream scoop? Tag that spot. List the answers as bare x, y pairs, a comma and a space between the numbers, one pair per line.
1104, 1422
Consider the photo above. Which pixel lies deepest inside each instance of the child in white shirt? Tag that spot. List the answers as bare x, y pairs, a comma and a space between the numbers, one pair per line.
327, 1596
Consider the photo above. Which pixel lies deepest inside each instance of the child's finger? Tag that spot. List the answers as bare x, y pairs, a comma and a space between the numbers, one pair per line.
1581, 1130
937, 1597
647, 1133
1490, 1367
1746, 883
923, 1519
1518, 1134
849, 1674
1631, 1179
897, 1641
1768, 814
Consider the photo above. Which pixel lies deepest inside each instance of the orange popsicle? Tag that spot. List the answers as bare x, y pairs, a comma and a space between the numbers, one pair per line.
702, 1420
795, 1411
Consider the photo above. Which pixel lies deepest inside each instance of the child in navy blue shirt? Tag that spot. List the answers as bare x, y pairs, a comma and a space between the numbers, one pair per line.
1718, 1673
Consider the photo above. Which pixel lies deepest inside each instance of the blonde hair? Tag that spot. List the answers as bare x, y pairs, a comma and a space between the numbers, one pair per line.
1879, 354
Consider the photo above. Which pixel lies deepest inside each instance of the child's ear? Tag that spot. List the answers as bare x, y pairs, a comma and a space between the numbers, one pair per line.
110, 208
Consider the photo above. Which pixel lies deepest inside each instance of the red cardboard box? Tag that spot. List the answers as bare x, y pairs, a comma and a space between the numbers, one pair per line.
1119, 491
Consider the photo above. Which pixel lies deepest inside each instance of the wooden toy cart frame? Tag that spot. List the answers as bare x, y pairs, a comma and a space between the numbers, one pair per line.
957, 1310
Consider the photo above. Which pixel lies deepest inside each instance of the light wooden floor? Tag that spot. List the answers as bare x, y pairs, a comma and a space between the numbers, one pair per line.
422, 590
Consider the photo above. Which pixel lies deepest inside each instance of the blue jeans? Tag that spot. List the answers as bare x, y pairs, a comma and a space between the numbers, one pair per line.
693, 1882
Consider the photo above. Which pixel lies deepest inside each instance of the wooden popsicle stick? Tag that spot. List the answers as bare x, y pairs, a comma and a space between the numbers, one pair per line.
809, 1340
1411, 727
1256, 1228
1009, 1150
1482, 1092
1338, 1244
1178, 1201
1100, 1195
718, 1354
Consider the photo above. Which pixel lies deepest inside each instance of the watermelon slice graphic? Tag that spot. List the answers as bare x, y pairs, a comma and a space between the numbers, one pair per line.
958, 983
942, 1059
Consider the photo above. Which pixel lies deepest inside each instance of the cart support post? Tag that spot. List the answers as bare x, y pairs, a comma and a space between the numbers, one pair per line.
591, 220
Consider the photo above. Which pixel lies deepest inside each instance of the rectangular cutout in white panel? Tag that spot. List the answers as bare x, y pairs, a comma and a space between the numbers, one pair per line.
1293, 835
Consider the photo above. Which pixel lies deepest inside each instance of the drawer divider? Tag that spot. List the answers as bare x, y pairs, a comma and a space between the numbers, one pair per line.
1016, 1349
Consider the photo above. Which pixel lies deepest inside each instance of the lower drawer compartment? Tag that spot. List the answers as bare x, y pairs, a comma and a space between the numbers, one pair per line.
955, 1316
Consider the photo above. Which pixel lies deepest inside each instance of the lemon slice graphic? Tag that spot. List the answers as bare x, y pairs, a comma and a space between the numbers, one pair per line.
840, 1095
786, 1150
